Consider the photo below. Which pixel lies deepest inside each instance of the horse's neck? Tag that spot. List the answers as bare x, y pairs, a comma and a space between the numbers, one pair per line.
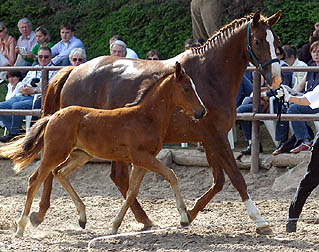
158, 105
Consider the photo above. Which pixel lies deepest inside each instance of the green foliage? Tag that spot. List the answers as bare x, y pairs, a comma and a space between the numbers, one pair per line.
144, 25
297, 20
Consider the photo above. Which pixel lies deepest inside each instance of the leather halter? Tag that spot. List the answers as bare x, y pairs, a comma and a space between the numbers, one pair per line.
251, 54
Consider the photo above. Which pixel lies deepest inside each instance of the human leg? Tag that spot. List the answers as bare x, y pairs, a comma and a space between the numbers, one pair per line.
309, 182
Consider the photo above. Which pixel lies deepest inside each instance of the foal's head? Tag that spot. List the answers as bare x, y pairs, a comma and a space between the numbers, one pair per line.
185, 94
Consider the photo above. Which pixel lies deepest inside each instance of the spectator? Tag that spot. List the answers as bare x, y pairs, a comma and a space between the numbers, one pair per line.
77, 56
7, 50
43, 39
310, 180
308, 83
118, 48
14, 84
31, 85
129, 52
281, 129
191, 43
61, 50
305, 54
25, 43
7, 46
154, 55
204, 22
292, 60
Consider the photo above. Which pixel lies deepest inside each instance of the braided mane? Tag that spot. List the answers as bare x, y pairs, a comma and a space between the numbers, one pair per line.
223, 32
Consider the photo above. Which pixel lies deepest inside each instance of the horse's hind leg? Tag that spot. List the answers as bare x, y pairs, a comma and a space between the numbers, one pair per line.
35, 181
120, 176
76, 159
134, 186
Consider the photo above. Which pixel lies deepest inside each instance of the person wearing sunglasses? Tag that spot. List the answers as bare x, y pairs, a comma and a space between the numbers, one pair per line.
77, 56
31, 85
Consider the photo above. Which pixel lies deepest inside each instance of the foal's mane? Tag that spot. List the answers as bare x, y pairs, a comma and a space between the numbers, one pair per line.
223, 33
147, 85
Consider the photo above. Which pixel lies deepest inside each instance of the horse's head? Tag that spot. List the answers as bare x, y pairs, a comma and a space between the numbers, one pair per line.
262, 44
185, 94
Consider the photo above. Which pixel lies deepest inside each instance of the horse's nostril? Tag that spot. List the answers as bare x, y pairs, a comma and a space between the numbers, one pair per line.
199, 115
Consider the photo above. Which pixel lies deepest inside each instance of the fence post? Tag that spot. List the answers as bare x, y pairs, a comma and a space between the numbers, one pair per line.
255, 141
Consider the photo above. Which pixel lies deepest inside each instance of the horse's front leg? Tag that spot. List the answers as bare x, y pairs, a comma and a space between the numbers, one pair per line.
220, 156
120, 176
134, 186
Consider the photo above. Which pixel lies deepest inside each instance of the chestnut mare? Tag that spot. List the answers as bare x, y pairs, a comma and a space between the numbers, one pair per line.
217, 68
133, 134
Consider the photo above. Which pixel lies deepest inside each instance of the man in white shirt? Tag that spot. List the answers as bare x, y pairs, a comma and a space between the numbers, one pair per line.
31, 86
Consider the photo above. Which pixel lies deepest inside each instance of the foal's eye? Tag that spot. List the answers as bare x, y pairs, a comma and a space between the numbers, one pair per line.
257, 42
186, 89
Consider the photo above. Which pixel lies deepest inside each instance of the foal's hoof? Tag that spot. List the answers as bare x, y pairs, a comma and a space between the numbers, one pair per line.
266, 230
35, 221
82, 224
185, 220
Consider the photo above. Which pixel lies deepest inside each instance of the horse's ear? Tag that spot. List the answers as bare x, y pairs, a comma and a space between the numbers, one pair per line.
273, 19
178, 70
256, 17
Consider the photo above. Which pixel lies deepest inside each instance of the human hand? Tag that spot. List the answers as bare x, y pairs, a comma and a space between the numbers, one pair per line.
283, 91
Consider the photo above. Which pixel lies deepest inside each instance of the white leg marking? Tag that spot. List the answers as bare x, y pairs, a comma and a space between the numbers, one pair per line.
254, 214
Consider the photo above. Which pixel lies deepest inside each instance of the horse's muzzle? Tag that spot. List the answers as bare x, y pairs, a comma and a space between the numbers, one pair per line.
200, 115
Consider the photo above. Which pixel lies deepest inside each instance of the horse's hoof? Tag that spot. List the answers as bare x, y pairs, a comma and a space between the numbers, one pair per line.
114, 231
148, 225
266, 230
185, 221
82, 224
35, 221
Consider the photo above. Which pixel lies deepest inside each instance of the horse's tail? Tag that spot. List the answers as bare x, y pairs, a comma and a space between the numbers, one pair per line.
25, 149
52, 99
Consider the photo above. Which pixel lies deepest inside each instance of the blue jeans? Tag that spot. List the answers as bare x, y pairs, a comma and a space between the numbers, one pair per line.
299, 127
245, 89
14, 122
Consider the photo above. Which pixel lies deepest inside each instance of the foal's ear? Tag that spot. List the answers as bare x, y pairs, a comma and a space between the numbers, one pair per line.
256, 17
178, 70
273, 19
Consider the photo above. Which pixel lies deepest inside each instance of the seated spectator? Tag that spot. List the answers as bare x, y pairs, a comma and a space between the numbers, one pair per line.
282, 127
292, 60
129, 52
30, 86
7, 50
118, 48
305, 54
245, 90
25, 43
77, 56
61, 50
14, 84
154, 55
43, 39
309, 82
191, 43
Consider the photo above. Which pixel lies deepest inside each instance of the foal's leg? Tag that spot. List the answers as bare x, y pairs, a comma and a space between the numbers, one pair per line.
134, 186
35, 181
219, 155
77, 158
120, 176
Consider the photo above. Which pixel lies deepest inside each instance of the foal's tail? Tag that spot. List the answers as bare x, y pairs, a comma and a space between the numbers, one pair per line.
52, 99
25, 149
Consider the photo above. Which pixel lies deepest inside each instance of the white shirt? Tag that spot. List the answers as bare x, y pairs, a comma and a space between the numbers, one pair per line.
14, 92
298, 76
313, 97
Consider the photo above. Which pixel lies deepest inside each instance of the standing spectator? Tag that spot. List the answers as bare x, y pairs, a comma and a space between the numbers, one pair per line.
43, 38
204, 20
61, 50
25, 43
129, 52
31, 86
310, 180
154, 55
292, 60
118, 48
77, 56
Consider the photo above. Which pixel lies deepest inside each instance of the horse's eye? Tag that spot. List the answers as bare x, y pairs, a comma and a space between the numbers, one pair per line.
186, 89
257, 42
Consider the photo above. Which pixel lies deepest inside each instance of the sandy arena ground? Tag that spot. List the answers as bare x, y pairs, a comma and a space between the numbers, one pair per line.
223, 225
